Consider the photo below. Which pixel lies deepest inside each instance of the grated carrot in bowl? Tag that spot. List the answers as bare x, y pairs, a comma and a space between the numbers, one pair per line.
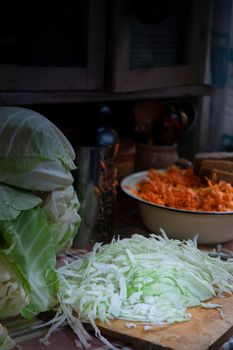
182, 189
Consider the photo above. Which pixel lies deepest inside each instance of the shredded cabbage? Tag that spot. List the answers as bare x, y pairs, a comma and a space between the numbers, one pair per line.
153, 280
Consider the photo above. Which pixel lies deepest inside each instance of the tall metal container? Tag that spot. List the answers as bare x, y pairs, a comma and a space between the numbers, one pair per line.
95, 181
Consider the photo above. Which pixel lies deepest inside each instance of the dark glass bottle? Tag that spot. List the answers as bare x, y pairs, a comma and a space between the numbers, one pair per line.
96, 174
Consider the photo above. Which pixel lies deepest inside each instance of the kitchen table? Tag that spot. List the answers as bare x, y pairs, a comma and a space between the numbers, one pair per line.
127, 222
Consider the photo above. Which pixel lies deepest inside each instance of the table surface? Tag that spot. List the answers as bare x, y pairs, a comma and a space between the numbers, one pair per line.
127, 222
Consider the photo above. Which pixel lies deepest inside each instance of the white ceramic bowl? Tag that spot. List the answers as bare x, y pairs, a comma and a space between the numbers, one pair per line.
214, 227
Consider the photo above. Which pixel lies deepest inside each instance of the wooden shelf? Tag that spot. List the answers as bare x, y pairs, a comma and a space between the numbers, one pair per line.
24, 98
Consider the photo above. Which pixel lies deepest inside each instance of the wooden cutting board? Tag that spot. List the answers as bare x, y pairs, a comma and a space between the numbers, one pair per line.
207, 330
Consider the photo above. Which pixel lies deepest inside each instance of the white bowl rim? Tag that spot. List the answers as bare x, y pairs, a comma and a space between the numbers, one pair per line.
143, 174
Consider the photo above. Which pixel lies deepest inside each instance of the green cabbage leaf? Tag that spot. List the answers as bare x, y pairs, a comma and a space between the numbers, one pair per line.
34, 153
13, 201
28, 279
61, 210
13, 290
6, 342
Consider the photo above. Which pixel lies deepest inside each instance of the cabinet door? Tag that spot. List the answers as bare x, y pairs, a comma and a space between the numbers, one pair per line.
157, 44
52, 47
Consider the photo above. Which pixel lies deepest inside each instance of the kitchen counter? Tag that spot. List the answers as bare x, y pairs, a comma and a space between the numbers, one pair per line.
127, 222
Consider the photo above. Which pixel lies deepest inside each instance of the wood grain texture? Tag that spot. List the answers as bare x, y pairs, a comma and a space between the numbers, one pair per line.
207, 330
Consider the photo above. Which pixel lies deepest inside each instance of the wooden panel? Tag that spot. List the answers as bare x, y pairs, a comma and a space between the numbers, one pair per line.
15, 78
123, 79
42, 77
207, 330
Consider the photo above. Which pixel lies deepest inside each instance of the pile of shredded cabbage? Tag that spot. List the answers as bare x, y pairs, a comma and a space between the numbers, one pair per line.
153, 280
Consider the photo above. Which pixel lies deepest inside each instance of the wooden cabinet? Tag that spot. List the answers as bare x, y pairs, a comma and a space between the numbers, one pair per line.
95, 50
52, 48
169, 51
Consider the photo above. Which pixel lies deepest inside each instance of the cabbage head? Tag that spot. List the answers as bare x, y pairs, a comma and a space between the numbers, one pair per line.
28, 279
61, 211
34, 153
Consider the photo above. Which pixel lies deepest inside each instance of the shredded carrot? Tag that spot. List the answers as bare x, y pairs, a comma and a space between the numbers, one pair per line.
182, 189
